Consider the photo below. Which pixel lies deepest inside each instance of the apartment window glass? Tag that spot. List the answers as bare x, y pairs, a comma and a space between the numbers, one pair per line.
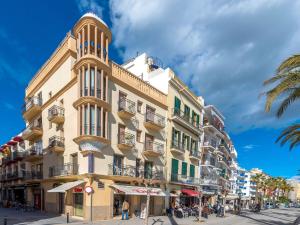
184, 169
104, 88
98, 121
139, 106
91, 163
148, 169
187, 142
138, 135
186, 111
85, 120
92, 82
92, 120
98, 81
86, 82
177, 104
137, 167
118, 165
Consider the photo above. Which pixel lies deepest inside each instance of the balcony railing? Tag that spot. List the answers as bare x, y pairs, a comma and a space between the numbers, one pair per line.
224, 144
56, 141
212, 143
33, 101
185, 117
154, 147
55, 111
35, 150
127, 105
155, 119
126, 138
65, 170
177, 145
132, 171
195, 153
32, 125
90, 129
179, 178
33, 175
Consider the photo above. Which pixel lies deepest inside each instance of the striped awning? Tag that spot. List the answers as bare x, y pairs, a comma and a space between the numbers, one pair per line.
66, 186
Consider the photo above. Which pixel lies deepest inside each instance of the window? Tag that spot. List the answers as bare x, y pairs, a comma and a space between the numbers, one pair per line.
139, 106
192, 171
98, 121
186, 111
138, 135
118, 165
40, 98
137, 167
177, 104
92, 82
98, 85
175, 136
92, 120
187, 143
184, 169
86, 82
148, 169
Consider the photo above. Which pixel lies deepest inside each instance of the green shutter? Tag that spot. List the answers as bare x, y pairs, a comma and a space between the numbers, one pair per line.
192, 171
177, 104
173, 134
184, 168
197, 120
174, 166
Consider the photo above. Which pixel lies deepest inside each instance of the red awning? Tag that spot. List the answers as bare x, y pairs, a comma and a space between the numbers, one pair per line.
11, 142
18, 138
190, 192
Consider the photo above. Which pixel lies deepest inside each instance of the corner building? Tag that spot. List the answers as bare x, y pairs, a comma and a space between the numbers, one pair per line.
98, 125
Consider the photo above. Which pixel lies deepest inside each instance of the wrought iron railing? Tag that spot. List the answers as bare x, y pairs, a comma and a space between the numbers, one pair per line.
127, 105
126, 138
56, 141
33, 101
177, 145
154, 146
64, 170
181, 178
55, 111
187, 118
155, 118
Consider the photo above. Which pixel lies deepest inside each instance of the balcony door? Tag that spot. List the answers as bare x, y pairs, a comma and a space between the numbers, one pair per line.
74, 160
174, 170
118, 165
150, 112
149, 141
148, 169
121, 132
122, 100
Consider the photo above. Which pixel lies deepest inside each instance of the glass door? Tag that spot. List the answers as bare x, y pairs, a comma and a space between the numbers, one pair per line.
78, 204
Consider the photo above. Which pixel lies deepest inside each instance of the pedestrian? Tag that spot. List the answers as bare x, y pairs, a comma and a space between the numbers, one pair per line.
125, 209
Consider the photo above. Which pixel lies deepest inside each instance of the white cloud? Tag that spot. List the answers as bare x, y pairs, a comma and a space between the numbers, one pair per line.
90, 6
223, 50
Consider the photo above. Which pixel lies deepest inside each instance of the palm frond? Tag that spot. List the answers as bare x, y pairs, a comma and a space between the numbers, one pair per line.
290, 82
287, 101
290, 134
276, 78
295, 142
289, 63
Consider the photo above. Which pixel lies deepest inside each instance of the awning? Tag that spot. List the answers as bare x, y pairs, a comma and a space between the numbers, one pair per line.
137, 190
18, 138
190, 192
66, 186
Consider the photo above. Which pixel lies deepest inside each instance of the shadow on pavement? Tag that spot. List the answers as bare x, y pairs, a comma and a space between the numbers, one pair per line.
265, 221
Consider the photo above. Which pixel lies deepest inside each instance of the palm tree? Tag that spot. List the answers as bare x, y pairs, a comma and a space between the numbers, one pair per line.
258, 179
287, 84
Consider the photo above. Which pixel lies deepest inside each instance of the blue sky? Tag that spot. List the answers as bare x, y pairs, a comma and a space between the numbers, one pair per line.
223, 50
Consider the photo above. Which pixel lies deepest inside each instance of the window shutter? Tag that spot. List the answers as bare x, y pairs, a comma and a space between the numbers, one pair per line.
184, 168
192, 171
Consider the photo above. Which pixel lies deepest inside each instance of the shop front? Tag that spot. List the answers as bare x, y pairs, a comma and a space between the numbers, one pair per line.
189, 197
137, 199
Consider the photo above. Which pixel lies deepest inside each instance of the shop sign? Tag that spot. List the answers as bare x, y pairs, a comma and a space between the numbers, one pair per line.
100, 184
144, 190
77, 190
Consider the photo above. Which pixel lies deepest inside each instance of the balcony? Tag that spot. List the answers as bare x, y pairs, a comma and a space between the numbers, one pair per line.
224, 162
184, 179
195, 155
33, 131
33, 175
90, 140
210, 145
56, 114
129, 173
177, 147
34, 153
225, 148
154, 121
18, 155
186, 121
126, 108
208, 127
32, 107
126, 141
56, 144
153, 149
67, 169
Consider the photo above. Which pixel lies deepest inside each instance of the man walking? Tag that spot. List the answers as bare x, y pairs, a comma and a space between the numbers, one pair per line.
125, 208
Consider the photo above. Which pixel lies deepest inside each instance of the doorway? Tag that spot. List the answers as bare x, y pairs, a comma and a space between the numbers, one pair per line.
61, 203
78, 204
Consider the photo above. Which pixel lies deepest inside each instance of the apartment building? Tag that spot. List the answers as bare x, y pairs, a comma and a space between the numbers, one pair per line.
184, 128
95, 131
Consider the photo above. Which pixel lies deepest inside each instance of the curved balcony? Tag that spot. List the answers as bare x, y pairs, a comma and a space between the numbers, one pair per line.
209, 145
186, 121
34, 153
90, 140
56, 114
32, 107
153, 149
154, 121
177, 147
126, 109
126, 141
195, 155
33, 131
84, 100
56, 144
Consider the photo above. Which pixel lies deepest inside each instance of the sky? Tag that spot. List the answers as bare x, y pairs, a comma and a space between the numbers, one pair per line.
223, 50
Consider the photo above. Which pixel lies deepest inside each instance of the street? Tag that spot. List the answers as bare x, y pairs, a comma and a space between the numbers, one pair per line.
266, 217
